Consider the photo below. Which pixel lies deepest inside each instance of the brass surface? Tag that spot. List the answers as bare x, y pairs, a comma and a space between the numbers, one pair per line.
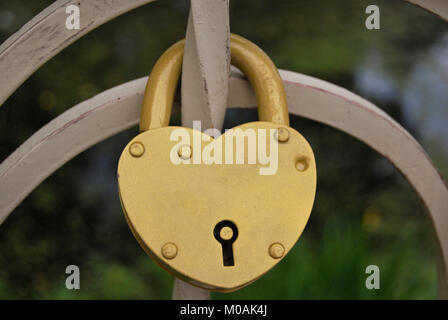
168, 203
173, 203
245, 55
276, 250
282, 135
136, 149
169, 250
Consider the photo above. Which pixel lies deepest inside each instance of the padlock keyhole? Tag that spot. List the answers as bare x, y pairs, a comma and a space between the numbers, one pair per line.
225, 233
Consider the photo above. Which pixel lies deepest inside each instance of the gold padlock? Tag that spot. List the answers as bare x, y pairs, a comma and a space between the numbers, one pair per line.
219, 225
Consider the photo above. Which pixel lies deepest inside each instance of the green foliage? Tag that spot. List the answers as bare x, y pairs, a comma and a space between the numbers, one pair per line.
334, 268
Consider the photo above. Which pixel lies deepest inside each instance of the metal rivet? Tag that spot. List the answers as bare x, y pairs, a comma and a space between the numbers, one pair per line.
302, 164
137, 149
276, 250
184, 152
169, 250
282, 135
226, 233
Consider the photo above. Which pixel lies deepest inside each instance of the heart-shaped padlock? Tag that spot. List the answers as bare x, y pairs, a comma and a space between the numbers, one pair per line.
217, 213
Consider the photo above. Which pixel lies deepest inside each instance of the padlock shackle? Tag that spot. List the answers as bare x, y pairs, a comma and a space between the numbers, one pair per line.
245, 55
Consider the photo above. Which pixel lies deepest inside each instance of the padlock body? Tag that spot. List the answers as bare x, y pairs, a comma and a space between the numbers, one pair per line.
180, 204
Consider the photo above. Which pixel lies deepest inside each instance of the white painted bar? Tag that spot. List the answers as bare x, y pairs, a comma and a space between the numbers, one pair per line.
119, 108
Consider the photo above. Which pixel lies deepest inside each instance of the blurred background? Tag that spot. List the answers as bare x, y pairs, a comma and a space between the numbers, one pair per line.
365, 212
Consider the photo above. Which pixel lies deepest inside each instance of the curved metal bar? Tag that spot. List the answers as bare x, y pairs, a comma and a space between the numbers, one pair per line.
74, 131
438, 7
41, 39
247, 56
119, 108
45, 35
161, 87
